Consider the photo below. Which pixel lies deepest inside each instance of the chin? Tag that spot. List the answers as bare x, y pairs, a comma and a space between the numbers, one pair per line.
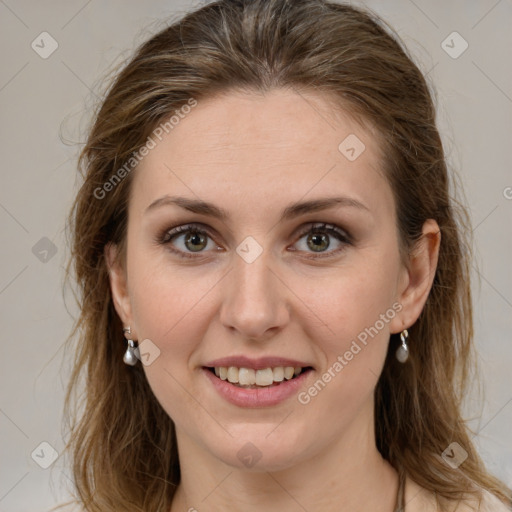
254, 461
260, 453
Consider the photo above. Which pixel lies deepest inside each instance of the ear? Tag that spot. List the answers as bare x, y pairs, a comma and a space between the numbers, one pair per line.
417, 277
119, 287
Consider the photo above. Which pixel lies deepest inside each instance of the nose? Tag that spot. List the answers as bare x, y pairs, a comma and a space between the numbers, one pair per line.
255, 304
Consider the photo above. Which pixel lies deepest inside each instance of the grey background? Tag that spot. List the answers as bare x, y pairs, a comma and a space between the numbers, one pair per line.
43, 98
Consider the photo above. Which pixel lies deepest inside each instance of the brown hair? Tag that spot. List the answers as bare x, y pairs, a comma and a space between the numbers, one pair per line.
121, 441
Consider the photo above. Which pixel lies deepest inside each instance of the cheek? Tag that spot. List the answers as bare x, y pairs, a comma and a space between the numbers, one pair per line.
356, 304
354, 299
166, 302
357, 312
170, 308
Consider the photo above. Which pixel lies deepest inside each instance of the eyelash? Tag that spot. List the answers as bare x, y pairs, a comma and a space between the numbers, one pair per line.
168, 235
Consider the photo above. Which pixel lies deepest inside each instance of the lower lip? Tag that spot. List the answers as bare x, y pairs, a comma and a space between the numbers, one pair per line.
256, 397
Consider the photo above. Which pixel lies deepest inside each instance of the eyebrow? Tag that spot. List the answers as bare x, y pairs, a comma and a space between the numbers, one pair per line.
291, 211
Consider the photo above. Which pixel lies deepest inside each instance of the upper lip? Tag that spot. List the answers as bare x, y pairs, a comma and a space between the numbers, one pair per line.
257, 364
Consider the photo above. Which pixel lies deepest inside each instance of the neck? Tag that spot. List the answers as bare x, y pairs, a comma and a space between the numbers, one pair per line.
349, 475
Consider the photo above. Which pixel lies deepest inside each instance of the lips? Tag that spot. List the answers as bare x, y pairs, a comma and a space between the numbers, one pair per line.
259, 382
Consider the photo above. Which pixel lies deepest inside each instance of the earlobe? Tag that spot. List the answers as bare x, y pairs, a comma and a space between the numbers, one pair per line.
118, 285
421, 271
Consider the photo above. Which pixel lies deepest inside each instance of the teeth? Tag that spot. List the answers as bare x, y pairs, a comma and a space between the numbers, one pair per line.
233, 374
288, 372
250, 377
264, 377
278, 374
246, 377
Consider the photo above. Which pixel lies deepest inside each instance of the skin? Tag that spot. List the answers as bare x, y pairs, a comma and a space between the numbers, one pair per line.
253, 155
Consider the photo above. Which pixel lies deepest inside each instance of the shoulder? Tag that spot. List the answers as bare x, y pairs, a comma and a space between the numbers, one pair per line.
418, 499
491, 503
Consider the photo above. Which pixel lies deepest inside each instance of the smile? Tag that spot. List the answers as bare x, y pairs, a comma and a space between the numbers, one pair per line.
250, 378
264, 387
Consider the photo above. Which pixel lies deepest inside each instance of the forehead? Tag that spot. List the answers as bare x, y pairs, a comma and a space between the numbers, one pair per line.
282, 144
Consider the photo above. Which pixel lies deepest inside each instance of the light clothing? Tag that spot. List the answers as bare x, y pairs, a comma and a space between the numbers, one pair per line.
492, 504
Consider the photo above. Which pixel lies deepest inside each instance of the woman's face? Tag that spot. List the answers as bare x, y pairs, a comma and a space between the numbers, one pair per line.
259, 289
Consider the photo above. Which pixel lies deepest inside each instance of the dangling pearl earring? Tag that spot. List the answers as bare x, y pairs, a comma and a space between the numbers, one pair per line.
130, 356
402, 353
